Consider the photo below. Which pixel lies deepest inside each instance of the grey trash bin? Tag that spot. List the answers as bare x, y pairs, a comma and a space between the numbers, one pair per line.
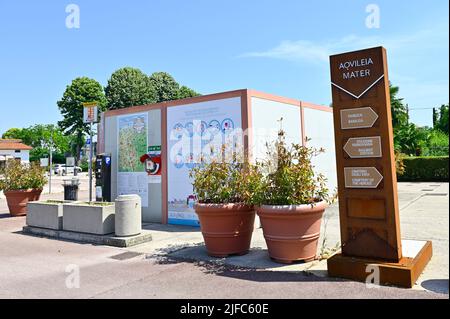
128, 215
71, 188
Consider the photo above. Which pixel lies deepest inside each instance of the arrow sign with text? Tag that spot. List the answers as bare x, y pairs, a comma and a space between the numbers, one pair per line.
362, 117
362, 177
362, 147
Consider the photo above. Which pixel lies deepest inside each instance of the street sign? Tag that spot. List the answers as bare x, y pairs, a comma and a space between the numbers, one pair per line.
367, 182
362, 177
366, 172
88, 141
363, 147
362, 117
90, 112
44, 162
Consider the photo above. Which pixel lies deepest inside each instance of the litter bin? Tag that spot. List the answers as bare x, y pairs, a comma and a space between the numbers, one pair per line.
128, 215
71, 188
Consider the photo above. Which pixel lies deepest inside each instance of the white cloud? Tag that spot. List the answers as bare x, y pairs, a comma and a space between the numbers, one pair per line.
309, 51
419, 62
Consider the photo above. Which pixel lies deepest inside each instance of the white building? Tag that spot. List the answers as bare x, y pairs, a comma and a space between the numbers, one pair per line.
161, 130
13, 149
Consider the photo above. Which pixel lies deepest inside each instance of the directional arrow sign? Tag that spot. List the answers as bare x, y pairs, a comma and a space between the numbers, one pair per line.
362, 177
361, 147
363, 117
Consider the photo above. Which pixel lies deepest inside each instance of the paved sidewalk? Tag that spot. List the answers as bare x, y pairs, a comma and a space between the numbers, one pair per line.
175, 264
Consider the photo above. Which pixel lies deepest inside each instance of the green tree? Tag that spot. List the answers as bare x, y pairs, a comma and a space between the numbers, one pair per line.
437, 144
399, 111
129, 87
410, 139
81, 90
40, 137
14, 133
440, 118
165, 86
185, 92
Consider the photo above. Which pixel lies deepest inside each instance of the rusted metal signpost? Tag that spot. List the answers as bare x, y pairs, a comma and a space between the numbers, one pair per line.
367, 182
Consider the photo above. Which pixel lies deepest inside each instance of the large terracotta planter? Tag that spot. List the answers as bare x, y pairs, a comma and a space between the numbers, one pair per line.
291, 232
18, 199
226, 228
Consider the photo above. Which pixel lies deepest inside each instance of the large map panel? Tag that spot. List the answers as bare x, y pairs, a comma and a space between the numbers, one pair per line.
132, 141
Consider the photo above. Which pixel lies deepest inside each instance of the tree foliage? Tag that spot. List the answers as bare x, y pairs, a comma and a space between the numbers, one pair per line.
412, 140
80, 91
184, 92
165, 86
440, 118
40, 137
399, 111
129, 87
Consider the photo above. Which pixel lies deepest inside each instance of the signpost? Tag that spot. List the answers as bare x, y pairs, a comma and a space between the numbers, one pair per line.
362, 117
362, 177
363, 147
90, 115
44, 161
366, 169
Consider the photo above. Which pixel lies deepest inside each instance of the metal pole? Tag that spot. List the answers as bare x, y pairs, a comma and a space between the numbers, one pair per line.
90, 162
50, 165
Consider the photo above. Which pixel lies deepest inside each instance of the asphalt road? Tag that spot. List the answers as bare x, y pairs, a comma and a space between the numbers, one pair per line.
33, 267
41, 268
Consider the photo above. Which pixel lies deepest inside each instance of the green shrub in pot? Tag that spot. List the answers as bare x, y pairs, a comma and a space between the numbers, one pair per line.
225, 191
21, 183
291, 201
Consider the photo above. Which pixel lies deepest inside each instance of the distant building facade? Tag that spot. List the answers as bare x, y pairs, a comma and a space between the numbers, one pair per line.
14, 149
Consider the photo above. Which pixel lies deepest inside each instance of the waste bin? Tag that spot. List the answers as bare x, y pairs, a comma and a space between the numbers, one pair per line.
71, 188
128, 215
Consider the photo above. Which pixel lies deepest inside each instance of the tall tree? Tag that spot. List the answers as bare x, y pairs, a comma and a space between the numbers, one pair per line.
441, 120
399, 111
166, 87
81, 90
128, 87
185, 92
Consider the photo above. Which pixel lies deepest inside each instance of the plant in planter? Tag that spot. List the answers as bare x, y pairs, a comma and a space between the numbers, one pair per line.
225, 193
21, 183
292, 201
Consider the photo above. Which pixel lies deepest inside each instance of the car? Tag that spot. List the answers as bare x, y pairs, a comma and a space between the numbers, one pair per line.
62, 169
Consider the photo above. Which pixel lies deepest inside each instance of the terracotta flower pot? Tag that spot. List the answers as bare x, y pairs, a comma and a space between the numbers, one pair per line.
226, 228
292, 231
18, 199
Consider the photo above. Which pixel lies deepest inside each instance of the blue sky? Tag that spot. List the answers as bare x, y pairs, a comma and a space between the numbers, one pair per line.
280, 47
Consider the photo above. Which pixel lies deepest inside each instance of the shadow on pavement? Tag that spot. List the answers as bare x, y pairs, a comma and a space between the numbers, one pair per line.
219, 268
436, 285
222, 267
5, 215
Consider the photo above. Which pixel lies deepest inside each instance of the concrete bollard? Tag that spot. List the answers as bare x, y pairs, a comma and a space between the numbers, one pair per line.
128, 215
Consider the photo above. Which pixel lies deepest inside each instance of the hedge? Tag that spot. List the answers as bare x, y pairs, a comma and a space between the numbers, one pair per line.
425, 169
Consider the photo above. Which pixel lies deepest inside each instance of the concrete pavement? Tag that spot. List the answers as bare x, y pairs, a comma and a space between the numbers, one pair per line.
175, 264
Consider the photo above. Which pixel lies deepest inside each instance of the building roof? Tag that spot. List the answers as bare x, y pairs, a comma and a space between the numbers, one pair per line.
13, 144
